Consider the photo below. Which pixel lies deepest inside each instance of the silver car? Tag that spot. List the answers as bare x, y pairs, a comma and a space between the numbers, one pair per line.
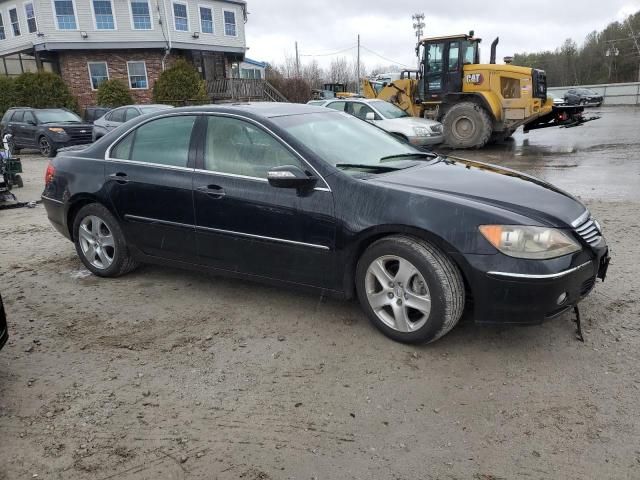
118, 116
415, 130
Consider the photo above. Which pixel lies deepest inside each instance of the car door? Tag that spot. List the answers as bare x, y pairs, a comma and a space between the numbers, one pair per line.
28, 129
14, 126
244, 224
149, 174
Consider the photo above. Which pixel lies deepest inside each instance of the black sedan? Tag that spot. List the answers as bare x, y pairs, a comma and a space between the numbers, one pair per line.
303, 196
583, 96
4, 331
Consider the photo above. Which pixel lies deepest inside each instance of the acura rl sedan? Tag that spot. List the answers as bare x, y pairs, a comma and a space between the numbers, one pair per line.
305, 196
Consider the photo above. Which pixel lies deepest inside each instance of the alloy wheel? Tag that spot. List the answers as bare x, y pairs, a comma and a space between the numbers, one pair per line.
464, 128
45, 146
97, 242
398, 293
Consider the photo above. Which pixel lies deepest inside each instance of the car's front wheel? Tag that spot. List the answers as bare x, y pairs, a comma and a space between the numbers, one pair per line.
100, 243
46, 147
410, 290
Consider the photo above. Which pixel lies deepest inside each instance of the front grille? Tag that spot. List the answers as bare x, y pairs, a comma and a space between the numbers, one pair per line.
589, 231
79, 134
587, 286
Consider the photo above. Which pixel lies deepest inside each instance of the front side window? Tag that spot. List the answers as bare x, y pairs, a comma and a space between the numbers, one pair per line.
361, 110
103, 13
137, 75
30, 13
65, 15
98, 73
140, 15
180, 19
164, 141
206, 20
15, 23
230, 23
240, 148
130, 114
2, 34
29, 118
117, 116
454, 56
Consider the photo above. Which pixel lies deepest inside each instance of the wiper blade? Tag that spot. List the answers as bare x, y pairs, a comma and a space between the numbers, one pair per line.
377, 168
410, 155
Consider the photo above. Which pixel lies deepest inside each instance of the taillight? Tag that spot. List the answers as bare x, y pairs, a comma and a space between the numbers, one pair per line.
48, 176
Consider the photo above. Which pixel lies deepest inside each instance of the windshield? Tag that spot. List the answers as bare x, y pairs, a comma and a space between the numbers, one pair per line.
340, 139
388, 110
57, 116
154, 108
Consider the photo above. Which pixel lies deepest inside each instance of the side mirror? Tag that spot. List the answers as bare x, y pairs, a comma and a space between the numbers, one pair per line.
370, 117
290, 176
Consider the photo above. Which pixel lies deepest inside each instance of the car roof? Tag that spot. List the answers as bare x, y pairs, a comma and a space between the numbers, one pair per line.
259, 109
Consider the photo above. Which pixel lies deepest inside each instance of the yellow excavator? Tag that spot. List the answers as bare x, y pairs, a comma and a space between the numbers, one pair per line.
476, 103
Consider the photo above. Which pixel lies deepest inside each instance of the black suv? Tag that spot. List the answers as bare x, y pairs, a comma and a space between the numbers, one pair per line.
46, 129
583, 96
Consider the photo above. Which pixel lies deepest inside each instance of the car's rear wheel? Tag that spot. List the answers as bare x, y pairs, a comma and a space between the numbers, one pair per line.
410, 290
46, 148
100, 243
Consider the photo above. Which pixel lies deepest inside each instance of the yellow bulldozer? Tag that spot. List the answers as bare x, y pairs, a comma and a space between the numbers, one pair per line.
476, 103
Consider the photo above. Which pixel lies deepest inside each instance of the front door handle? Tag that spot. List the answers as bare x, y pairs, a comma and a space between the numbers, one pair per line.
214, 191
119, 177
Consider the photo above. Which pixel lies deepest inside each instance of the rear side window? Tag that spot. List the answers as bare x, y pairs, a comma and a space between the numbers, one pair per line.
17, 116
131, 113
164, 141
117, 116
29, 118
337, 106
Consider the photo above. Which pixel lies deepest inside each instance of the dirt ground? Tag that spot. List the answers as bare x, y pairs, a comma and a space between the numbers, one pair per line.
167, 374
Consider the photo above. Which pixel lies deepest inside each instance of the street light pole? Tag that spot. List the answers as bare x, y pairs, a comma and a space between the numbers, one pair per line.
418, 26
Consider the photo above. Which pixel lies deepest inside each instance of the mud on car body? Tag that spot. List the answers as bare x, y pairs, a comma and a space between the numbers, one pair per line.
303, 196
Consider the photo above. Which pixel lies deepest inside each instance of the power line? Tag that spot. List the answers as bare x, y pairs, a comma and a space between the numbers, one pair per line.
328, 54
384, 58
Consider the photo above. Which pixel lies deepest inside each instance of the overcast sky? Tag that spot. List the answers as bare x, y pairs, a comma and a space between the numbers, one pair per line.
385, 26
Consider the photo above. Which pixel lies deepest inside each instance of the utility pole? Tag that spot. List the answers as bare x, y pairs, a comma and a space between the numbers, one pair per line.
635, 41
358, 66
418, 26
297, 61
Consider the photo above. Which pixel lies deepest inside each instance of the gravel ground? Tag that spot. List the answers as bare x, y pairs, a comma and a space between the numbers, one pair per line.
174, 375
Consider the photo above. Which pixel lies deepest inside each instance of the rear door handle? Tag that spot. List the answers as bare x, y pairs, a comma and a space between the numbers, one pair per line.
119, 177
214, 191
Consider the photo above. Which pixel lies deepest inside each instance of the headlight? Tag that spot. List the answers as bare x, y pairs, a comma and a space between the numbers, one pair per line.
421, 131
529, 242
56, 129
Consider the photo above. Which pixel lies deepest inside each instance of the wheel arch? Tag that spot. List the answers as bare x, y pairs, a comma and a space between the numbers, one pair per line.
75, 204
373, 234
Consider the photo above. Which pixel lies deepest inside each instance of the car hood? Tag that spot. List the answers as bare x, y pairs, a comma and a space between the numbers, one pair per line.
491, 185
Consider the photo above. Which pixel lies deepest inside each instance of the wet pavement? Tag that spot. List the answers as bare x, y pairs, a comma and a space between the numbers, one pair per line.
599, 160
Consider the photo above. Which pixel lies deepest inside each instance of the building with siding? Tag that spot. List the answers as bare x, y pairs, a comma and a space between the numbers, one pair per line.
88, 41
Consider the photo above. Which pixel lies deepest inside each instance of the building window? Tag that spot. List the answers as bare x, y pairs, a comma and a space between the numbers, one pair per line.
98, 73
252, 73
65, 14
30, 13
2, 34
141, 15
230, 23
206, 20
15, 24
137, 75
103, 15
180, 19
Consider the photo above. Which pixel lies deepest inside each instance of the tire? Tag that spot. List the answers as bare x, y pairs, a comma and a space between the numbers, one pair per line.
45, 147
432, 284
467, 125
100, 229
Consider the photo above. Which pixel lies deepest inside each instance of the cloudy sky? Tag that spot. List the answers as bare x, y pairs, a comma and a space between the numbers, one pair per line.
385, 26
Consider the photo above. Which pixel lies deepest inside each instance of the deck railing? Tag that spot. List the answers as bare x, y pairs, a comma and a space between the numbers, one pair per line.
243, 89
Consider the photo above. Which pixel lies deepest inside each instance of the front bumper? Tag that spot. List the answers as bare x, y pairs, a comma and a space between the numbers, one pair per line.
506, 297
424, 141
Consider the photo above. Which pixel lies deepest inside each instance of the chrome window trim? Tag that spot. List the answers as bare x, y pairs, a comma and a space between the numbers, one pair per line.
107, 153
538, 277
149, 164
219, 230
247, 177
